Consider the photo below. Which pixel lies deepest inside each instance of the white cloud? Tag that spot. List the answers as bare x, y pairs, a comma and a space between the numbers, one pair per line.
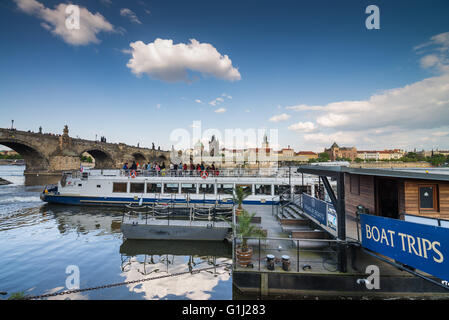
399, 117
303, 107
280, 117
163, 60
106, 2
216, 101
323, 138
220, 110
423, 104
303, 126
219, 100
54, 20
128, 13
198, 101
440, 133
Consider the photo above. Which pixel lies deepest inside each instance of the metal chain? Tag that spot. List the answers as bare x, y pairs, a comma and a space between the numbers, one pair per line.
124, 283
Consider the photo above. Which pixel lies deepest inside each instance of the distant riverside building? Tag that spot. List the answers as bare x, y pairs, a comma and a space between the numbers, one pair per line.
8, 153
394, 154
425, 153
305, 156
335, 152
252, 157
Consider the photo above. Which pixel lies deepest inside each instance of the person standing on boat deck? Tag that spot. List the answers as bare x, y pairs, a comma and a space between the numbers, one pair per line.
133, 166
180, 169
173, 169
158, 169
125, 167
163, 168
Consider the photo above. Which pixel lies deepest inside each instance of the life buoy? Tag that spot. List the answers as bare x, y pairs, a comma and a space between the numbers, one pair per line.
133, 174
204, 174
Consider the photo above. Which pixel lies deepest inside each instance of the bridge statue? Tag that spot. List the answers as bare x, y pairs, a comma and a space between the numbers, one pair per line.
47, 155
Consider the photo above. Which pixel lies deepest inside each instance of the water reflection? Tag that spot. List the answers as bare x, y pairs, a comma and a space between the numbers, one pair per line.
146, 258
41, 241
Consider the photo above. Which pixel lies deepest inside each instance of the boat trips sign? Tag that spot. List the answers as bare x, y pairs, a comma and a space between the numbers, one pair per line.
420, 246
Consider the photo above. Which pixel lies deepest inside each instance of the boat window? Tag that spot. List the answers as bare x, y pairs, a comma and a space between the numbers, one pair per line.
428, 197
119, 187
247, 188
263, 189
171, 188
188, 188
206, 188
303, 189
137, 187
279, 189
225, 188
154, 187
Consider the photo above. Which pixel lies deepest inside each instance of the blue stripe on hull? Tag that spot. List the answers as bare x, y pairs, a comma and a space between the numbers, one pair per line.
123, 201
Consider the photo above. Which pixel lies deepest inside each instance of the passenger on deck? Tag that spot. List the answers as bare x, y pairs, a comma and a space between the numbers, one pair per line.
125, 166
133, 166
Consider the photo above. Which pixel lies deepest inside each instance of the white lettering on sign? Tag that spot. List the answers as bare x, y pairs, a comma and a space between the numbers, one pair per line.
417, 246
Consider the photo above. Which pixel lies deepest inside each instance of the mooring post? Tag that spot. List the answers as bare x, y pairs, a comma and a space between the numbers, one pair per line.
264, 284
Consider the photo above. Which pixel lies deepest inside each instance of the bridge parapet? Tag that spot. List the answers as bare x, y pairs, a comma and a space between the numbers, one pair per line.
49, 154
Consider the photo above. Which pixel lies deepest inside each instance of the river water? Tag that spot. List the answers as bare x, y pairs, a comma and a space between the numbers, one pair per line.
40, 242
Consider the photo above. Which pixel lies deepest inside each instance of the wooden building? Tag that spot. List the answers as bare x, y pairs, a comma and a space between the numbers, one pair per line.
398, 193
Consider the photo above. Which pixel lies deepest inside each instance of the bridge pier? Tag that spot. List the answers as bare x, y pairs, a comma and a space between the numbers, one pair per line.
42, 178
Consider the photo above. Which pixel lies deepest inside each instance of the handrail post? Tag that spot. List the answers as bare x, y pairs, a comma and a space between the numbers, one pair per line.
297, 255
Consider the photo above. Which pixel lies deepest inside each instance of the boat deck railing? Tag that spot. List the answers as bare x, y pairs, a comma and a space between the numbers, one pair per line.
206, 173
198, 215
288, 255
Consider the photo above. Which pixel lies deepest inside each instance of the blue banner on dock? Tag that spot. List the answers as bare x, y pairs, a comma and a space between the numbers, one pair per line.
420, 246
316, 208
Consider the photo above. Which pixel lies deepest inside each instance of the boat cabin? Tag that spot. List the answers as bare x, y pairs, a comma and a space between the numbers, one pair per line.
398, 193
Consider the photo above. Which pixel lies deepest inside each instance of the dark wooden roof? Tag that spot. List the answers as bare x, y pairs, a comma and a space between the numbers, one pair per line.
406, 173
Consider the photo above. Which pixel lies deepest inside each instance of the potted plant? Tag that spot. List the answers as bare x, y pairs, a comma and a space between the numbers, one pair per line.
244, 229
238, 196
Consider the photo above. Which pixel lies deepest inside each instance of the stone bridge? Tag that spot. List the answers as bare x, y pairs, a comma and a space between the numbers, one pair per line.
47, 155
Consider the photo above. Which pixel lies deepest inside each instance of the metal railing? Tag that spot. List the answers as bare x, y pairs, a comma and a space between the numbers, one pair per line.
157, 212
208, 172
288, 254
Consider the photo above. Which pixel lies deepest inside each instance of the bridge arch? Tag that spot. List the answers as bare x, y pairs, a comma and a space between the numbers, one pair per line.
103, 160
34, 159
139, 157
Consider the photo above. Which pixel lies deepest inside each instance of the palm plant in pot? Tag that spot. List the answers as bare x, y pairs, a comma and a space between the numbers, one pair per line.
238, 196
244, 229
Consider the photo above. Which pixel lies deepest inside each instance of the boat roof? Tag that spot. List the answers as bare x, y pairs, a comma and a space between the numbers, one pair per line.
440, 174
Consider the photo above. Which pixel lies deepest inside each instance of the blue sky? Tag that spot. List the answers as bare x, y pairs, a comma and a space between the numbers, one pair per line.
312, 67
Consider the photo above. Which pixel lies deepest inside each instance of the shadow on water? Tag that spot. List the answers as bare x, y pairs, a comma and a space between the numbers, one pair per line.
190, 248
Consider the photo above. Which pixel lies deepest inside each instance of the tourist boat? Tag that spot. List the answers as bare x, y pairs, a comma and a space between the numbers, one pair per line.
177, 189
